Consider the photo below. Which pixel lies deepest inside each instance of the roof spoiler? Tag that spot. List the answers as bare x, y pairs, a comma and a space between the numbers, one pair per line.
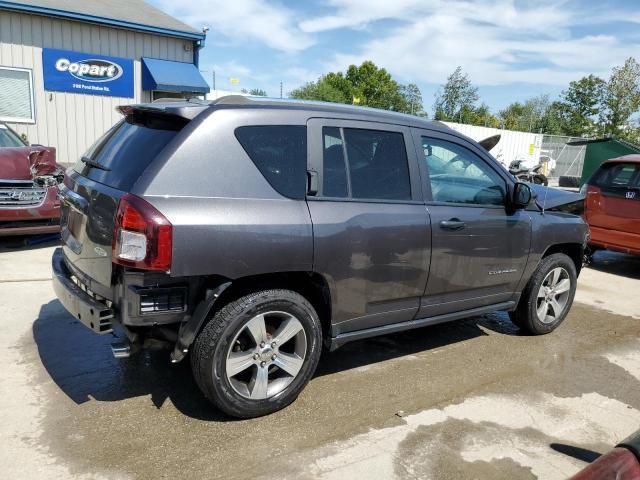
490, 142
184, 110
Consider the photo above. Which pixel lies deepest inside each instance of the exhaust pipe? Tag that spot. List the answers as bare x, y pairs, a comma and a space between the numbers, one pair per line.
121, 350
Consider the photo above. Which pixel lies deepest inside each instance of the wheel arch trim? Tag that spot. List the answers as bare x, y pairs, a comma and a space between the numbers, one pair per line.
191, 326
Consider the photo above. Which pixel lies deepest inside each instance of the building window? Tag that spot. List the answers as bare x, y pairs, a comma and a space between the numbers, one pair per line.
16, 95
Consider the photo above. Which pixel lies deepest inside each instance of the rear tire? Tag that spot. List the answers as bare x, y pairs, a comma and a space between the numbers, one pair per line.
540, 180
257, 353
548, 296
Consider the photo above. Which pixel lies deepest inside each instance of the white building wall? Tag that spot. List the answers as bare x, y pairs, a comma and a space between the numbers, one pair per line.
71, 122
512, 146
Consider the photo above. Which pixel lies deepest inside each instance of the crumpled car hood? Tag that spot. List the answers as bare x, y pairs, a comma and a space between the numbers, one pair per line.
26, 163
547, 197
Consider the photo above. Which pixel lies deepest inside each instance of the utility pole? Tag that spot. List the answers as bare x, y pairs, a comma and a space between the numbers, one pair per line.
214, 79
280, 89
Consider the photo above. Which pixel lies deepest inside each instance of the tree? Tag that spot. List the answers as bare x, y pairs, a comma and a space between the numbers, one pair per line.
621, 98
375, 87
367, 85
413, 99
257, 92
536, 114
332, 87
480, 116
554, 120
455, 95
512, 117
581, 106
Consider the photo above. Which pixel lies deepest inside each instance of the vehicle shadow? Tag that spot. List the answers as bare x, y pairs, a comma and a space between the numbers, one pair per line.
82, 366
387, 347
24, 243
616, 263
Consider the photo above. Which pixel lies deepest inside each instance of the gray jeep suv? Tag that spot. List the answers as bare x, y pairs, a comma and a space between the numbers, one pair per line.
248, 233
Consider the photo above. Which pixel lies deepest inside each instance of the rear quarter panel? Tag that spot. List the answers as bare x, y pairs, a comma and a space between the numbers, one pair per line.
227, 219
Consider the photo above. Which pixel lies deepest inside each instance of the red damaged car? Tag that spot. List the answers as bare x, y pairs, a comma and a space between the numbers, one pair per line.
29, 176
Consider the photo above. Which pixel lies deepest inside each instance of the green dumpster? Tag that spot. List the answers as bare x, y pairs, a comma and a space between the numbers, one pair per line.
601, 149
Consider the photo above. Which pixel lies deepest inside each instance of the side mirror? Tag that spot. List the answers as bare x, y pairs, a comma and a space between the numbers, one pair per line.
522, 195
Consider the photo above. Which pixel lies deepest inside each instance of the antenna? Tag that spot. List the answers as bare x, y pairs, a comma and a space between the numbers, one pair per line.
544, 202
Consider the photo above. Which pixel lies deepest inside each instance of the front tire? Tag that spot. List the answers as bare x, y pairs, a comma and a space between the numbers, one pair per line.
257, 353
547, 298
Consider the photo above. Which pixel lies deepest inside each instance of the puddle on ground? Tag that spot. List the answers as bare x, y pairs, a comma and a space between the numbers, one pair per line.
145, 417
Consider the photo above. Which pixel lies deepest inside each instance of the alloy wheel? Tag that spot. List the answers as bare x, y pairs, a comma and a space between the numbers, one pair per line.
266, 355
553, 295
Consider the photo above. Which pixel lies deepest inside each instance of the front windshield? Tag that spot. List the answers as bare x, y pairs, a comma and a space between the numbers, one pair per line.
9, 139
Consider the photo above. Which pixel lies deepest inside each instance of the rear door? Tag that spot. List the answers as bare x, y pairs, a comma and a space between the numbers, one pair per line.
617, 204
371, 230
479, 248
91, 193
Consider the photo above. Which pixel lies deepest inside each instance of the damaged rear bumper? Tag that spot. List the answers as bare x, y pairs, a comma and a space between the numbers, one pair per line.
90, 312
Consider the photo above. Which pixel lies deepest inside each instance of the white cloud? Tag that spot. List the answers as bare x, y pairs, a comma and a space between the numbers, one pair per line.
231, 69
359, 13
302, 75
241, 21
495, 42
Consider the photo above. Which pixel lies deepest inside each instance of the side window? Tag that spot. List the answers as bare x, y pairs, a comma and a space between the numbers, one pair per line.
378, 166
334, 169
458, 175
280, 153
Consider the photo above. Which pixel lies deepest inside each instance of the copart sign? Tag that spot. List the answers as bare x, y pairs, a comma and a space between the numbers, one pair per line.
86, 73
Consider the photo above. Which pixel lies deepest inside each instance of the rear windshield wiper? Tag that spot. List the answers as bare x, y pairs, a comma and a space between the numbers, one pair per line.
94, 164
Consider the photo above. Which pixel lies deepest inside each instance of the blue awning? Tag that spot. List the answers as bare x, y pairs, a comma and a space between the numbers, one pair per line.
171, 76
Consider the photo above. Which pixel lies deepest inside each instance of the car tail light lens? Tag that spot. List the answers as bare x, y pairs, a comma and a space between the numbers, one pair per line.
142, 236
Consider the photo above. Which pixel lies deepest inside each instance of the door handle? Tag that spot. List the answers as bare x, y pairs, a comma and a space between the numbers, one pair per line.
312, 182
452, 224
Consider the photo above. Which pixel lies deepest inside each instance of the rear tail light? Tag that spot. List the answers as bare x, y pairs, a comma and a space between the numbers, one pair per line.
591, 200
142, 236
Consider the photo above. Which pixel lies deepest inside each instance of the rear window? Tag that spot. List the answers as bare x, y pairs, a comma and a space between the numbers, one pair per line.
280, 153
127, 149
620, 175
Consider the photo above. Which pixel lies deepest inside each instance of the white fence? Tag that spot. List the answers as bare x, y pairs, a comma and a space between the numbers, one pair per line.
512, 145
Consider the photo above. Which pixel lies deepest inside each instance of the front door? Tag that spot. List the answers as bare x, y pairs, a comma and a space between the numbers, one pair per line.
479, 247
371, 231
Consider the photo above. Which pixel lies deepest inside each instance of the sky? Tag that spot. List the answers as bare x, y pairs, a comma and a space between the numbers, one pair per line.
511, 49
